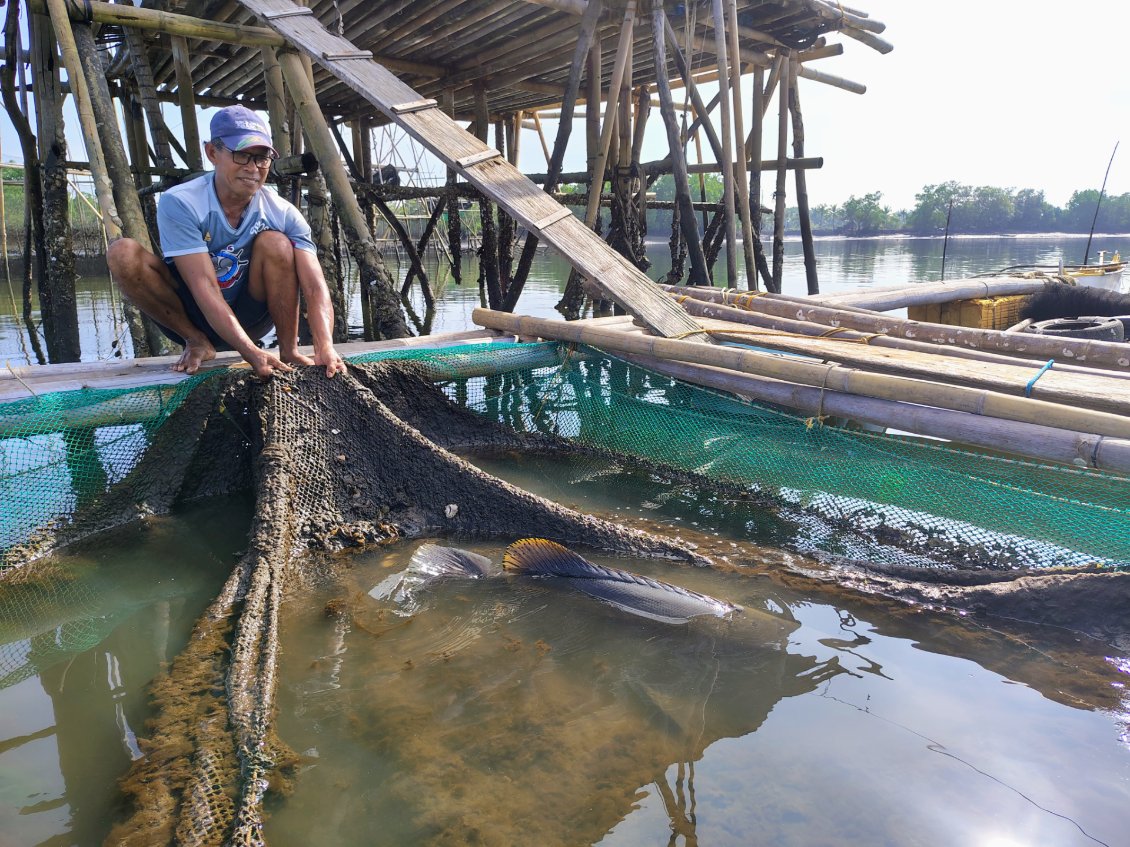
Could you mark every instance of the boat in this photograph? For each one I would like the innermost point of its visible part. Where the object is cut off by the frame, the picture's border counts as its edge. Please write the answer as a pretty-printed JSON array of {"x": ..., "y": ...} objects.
[{"x": 1105, "y": 274}]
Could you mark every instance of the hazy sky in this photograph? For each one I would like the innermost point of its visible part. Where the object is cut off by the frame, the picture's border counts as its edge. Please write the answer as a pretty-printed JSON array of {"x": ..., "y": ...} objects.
[{"x": 1010, "y": 93}]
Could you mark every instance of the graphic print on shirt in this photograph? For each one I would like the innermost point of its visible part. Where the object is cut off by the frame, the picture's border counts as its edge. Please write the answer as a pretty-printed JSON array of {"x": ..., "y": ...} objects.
[{"x": 229, "y": 265}]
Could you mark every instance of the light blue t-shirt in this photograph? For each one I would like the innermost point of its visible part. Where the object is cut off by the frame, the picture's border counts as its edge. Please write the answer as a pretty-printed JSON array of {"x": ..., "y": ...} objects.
[{"x": 190, "y": 220}]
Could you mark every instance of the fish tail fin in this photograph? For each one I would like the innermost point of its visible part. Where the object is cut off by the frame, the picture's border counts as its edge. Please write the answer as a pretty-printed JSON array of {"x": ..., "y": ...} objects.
[
  {"x": 539, "y": 556},
  {"x": 434, "y": 560}
]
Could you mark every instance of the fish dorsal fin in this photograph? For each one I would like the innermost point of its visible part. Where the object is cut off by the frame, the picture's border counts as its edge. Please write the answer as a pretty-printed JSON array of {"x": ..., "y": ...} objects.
[{"x": 540, "y": 556}]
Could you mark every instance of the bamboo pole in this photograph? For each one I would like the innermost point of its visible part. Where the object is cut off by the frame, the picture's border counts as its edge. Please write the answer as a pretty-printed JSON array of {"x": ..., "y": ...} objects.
[
  {"x": 1033, "y": 441},
  {"x": 710, "y": 309},
  {"x": 702, "y": 111},
  {"x": 103, "y": 185},
  {"x": 139, "y": 17},
  {"x": 1025, "y": 379},
  {"x": 742, "y": 182},
  {"x": 827, "y": 376},
  {"x": 722, "y": 52},
  {"x": 1096, "y": 354},
  {"x": 691, "y": 237},
  {"x": 387, "y": 317},
  {"x": 802, "y": 185},
  {"x": 276, "y": 101},
  {"x": 779, "y": 196},
  {"x": 622, "y": 50},
  {"x": 187, "y": 102},
  {"x": 488, "y": 252},
  {"x": 753, "y": 148}
]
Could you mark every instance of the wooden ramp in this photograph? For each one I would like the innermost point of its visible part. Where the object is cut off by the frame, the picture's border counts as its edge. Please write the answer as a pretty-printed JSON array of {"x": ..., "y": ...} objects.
[{"x": 482, "y": 166}]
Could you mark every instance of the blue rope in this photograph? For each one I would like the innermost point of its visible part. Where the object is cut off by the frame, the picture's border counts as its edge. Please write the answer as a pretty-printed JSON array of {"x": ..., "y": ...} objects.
[{"x": 1047, "y": 367}]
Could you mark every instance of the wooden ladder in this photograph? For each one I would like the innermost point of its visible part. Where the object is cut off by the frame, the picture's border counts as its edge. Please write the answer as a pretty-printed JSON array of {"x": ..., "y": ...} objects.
[{"x": 484, "y": 167}]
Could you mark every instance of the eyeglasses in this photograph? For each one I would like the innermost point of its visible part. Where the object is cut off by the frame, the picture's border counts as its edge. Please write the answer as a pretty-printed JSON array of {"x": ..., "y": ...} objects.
[{"x": 242, "y": 157}]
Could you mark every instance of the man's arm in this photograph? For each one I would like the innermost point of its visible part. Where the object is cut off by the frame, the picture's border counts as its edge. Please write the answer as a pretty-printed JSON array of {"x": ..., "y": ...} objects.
[
  {"x": 199, "y": 275},
  {"x": 319, "y": 310}
]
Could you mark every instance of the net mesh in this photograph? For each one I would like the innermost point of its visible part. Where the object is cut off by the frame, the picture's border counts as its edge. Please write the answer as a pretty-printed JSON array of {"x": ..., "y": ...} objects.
[{"x": 367, "y": 459}]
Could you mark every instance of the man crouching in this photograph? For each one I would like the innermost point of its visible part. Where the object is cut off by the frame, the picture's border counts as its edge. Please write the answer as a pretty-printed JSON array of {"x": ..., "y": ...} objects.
[{"x": 236, "y": 255}]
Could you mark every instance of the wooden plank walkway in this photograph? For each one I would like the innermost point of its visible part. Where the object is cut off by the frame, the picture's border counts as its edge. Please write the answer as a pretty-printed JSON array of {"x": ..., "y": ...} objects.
[
  {"x": 18, "y": 382},
  {"x": 482, "y": 166}
]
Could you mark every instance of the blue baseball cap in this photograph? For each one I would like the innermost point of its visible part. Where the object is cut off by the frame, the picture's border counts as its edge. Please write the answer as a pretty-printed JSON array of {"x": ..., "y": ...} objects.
[{"x": 238, "y": 128}]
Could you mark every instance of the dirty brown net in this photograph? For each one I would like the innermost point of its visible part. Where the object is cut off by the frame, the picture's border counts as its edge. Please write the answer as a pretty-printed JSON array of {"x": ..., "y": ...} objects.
[{"x": 374, "y": 456}]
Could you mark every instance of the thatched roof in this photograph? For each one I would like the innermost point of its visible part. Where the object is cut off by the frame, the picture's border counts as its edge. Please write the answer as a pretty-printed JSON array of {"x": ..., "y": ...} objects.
[{"x": 519, "y": 49}]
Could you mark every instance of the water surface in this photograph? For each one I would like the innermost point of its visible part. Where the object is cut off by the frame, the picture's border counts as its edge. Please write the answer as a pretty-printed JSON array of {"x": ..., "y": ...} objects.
[{"x": 513, "y": 711}]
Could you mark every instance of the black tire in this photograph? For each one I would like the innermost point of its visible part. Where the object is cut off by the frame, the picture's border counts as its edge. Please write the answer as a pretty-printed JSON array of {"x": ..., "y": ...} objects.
[{"x": 1090, "y": 328}]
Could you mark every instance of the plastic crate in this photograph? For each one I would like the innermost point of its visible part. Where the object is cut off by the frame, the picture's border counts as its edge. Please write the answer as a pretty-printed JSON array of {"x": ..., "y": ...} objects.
[{"x": 979, "y": 313}]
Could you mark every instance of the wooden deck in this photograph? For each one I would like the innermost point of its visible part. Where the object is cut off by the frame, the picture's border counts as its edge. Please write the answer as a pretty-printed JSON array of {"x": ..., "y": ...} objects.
[{"x": 18, "y": 382}]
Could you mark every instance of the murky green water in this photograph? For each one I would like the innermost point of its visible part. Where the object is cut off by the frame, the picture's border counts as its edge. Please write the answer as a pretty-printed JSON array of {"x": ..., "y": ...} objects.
[{"x": 512, "y": 711}]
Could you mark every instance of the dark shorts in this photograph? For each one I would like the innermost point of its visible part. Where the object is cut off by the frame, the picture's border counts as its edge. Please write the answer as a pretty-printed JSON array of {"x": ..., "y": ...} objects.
[{"x": 252, "y": 314}]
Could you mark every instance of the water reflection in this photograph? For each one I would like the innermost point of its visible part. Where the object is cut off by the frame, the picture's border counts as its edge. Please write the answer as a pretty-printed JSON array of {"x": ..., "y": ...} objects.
[
  {"x": 511, "y": 711},
  {"x": 81, "y": 637}
]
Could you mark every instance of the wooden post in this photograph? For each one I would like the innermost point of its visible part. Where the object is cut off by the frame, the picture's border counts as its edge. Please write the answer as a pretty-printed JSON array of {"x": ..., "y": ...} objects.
[
  {"x": 388, "y": 321},
  {"x": 187, "y": 100},
  {"x": 779, "y": 196},
  {"x": 802, "y": 185},
  {"x": 742, "y": 179},
  {"x": 720, "y": 49},
  {"x": 103, "y": 185},
  {"x": 625, "y": 231},
  {"x": 147, "y": 93},
  {"x": 33, "y": 184},
  {"x": 57, "y": 302},
  {"x": 753, "y": 153},
  {"x": 687, "y": 221},
  {"x": 601, "y": 163},
  {"x": 488, "y": 246},
  {"x": 146, "y": 338},
  {"x": 454, "y": 222},
  {"x": 593, "y": 96}
]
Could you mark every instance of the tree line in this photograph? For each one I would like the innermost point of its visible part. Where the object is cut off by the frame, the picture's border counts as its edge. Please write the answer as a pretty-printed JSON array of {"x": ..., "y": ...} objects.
[{"x": 969, "y": 209}]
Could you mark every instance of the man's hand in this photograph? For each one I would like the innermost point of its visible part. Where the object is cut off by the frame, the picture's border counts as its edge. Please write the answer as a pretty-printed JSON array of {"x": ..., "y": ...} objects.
[
  {"x": 266, "y": 364},
  {"x": 329, "y": 357}
]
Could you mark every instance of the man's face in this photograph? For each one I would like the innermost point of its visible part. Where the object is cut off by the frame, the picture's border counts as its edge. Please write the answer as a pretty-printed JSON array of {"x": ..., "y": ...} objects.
[{"x": 232, "y": 176}]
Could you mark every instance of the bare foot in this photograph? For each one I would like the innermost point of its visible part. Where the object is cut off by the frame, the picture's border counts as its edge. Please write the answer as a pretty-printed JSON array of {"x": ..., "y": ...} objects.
[
  {"x": 195, "y": 354},
  {"x": 296, "y": 358}
]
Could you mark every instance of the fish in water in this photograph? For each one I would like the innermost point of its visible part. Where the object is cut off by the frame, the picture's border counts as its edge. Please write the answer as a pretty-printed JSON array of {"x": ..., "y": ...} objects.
[{"x": 536, "y": 557}]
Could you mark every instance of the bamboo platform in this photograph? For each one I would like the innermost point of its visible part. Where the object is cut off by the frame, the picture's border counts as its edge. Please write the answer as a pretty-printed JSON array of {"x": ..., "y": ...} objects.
[
  {"x": 483, "y": 166},
  {"x": 1079, "y": 418},
  {"x": 22, "y": 381}
]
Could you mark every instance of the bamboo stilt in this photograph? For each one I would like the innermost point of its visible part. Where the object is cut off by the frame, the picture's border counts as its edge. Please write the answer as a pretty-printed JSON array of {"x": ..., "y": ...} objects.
[
  {"x": 387, "y": 318},
  {"x": 187, "y": 99},
  {"x": 57, "y": 303},
  {"x": 753, "y": 151},
  {"x": 687, "y": 221},
  {"x": 601, "y": 163},
  {"x": 802, "y": 186},
  {"x": 742, "y": 177},
  {"x": 779, "y": 196},
  {"x": 722, "y": 52},
  {"x": 103, "y": 186},
  {"x": 147, "y": 340},
  {"x": 488, "y": 247}
]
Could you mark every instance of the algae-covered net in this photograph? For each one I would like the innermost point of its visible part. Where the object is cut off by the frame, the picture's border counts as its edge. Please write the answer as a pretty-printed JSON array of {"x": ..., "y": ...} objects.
[{"x": 375, "y": 456}]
